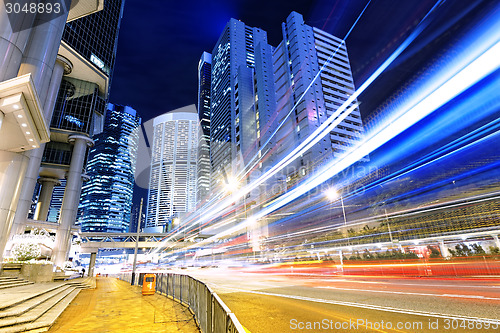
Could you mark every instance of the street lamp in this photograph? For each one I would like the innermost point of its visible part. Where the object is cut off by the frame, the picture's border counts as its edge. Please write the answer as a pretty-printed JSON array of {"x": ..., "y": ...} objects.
[
  {"x": 231, "y": 184},
  {"x": 333, "y": 195}
]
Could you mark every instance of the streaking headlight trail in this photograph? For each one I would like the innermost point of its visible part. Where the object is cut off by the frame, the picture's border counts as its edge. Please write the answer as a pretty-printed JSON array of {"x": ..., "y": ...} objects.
[{"x": 484, "y": 65}]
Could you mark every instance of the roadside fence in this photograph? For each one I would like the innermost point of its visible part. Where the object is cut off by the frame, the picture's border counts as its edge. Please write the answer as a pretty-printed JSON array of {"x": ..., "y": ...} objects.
[{"x": 212, "y": 315}]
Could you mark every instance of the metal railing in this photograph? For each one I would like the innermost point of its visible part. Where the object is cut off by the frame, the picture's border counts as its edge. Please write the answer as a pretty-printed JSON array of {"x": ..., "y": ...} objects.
[{"x": 212, "y": 315}]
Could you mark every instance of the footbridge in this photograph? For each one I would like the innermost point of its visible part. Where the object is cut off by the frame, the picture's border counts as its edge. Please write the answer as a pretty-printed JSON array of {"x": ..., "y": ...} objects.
[{"x": 93, "y": 241}]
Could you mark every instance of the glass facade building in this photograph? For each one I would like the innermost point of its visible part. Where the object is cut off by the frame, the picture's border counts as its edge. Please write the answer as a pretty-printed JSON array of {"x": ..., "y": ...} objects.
[
  {"x": 266, "y": 100},
  {"x": 77, "y": 107},
  {"x": 313, "y": 79},
  {"x": 81, "y": 105},
  {"x": 241, "y": 88},
  {"x": 204, "y": 166},
  {"x": 95, "y": 36},
  {"x": 174, "y": 159},
  {"x": 106, "y": 200}
]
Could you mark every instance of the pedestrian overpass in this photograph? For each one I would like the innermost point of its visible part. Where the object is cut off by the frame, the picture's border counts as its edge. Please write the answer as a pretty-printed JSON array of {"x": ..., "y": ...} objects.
[{"x": 93, "y": 241}]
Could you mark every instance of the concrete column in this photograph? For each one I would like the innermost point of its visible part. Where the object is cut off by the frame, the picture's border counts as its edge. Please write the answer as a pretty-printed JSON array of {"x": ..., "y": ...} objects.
[
  {"x": 12, "y": 44},
  {"x": 444, "y": 251},
  {"x": 341, "y": 255},
  {"x": 62, "y": 67},
  {"x": 497, "y": 241},
  {"x": 71, "y": 198},
  {"x": 41, "y": 51},
  {"x": 43, "y": 205},
  {"x": 93, "y": 257},
  {"x": 12, "y": 168}
]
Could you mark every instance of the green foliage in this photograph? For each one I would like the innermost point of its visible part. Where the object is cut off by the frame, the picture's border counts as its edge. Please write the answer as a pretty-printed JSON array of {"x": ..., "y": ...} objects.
[
  {"x": 26, "y": 251},
  {"x": 387, "y": 255},
  {"x": 367, "y": 255},
  {"x": 434, "y": 252},
  {"x": 494, "y": 250},
  {"x": 462, "y": 250},
  {"x": 478, "y": 249}
]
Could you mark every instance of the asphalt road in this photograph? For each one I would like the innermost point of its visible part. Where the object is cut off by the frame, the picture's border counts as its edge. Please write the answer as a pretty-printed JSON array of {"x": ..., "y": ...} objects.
[{"x": 266, "y": 302}]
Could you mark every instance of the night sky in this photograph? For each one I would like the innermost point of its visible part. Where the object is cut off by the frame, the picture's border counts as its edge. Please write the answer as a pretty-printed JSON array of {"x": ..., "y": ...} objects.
[{"x": 160, "y": 43}]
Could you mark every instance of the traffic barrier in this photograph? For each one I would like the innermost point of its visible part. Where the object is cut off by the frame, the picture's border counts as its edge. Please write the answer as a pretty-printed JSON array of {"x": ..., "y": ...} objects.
[{"x": 211, "y": 314}]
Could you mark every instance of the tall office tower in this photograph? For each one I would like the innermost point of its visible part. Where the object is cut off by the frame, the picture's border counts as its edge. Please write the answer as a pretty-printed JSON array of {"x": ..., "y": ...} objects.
[
  {"x": 106, "y": 200},
  {"x": 134, "y": 218},
  {"x": 173, "y": 177},
  {"x": 312, "y": 79},
  {"x": 242, "y": 95},
  {"x": 204, "y": 166},
  {"x": 87, "y": 52},
  {"x": 31, "y": 68}
]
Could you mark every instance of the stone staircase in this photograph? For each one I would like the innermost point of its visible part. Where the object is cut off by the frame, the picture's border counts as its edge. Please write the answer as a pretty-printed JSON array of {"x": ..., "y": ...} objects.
[
  {"x": 12, "y": 281},
  {"x": 35, "y": 307}
]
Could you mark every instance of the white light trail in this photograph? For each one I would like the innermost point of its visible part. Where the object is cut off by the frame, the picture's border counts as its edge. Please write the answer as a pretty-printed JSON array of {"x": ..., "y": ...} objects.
[
  {"x": 485, "y": 64},
  {"x": 324, "y": 129}
]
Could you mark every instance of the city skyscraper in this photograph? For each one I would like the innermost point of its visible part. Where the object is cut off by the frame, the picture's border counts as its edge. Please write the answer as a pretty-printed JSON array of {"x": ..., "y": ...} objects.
[
  {"x": 174, "y": 158},
  {"x": 312, "y": 79},
  {"x": 241, "y": 87},
  {"x": 204, "y": 166},
  {"x": 134, "y": 218},
  {"x": 265, "y": 101},
  {"x": 106, "y": 200},
  {"x": 85, "y": 56}
]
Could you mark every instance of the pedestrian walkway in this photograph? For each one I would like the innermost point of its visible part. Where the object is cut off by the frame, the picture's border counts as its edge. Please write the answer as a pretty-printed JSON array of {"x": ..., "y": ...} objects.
[{"x": 116, "y": 306}]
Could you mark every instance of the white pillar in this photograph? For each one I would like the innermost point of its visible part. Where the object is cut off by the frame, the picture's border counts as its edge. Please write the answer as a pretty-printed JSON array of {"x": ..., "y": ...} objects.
[
  {"x": 497, "y": 241},
  {"x": 341, "y": 255},
  {"x": 12, "y": 169},
  {"x": 43, "y": 205},
  {"x": 71, "y": 198},
  {"x": 444, "y": 251},
  {"x": 12, "y": 44},
  {"x": 40, "y": 56},
  {"x": 62, "y": 66},
  {"x": 93, "y": 256}
]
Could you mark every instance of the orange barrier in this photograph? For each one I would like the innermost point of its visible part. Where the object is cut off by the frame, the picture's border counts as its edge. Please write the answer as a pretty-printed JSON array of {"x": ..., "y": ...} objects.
[{"x": 149, "y": 284}]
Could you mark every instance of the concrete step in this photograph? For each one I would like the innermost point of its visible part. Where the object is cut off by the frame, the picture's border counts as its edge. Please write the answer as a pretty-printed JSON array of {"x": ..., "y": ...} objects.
[
  {"x": 6, "y": 278},
  {"x": 37, "y": 311},
  {"x": 46, "y": 319},
  {"x": 9, "y": 282},
  {"x": 14, "y": 284},
  {"x": 29, "y": 304},
  {"x": 84, "y": 283},
  {"x": 17, "y": 295}
]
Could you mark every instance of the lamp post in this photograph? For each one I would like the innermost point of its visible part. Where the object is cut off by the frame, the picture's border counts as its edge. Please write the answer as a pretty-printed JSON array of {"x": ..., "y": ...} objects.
[
  {"x": 136, "y": 243},
  {"x": 332, "y": 195},
  {"x": 388, "y": 225}
]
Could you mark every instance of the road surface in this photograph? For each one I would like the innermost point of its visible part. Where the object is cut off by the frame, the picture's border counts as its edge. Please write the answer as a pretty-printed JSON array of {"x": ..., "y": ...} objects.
[{"x": 266, "y": 302}]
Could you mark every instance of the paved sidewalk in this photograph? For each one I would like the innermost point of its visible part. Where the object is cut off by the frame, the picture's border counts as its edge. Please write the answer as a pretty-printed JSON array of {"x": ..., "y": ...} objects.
[{"x": 115, "y": 306}]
